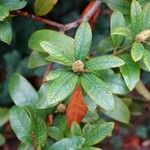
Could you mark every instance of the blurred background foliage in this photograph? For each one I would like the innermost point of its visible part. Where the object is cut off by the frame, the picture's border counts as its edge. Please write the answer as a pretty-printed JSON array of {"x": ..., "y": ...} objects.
[{"x": 14, "y": 58}]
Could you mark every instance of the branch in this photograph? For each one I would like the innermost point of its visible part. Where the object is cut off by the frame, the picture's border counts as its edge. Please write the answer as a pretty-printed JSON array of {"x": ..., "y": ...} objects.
[{"x": 59, "y": 26}]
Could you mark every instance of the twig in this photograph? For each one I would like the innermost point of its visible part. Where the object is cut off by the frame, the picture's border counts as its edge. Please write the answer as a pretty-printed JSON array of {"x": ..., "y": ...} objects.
[{"x": 59, "y": 26}]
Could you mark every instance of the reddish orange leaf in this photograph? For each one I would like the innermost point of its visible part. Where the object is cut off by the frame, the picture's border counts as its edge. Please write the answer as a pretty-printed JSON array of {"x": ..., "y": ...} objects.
[
  {"x": 93, "y": 19},
  {"x": 76, "y": 108}
]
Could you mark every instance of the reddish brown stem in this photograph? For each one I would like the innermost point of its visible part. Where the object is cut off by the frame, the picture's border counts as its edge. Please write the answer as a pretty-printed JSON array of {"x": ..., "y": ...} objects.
[{"x": 59, "y": 26}]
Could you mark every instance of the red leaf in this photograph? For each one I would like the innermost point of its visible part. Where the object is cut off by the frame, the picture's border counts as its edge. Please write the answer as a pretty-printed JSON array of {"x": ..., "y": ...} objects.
[{"x": 76, "y": 109}]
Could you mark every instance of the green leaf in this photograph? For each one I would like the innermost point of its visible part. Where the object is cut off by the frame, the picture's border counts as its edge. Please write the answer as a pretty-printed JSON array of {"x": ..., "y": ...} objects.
[
  {"x": 42, "y": 8},
  {"x": 105, "y": 45},
  {"x": 144, "y": 2},
  {"x": 59, "y": 90},
  {"x": 58, "y": 39},
  {"x": 55, "y": 74},
  {"x": 120, "y": 113},
  {"x": 136, "y": 17},
  {"x": 24, "y": 146},
  {"x": 57, "y": 54},
  {"x": 37, "y": 59},
  {"x": 39, "y": 130},
  {"x": 123, "y": 31},
  {"x": 20, "y": 123},
  {"x": 146, "y": 18},
  {"x": 4, "y": 12},
  {"x": 130, "y": 71},
  {"x": 120, "y": 5},
  {"x": 68, "y": 143},
  {"x": 2, "y": 140},
  {"x": 5, "y": 32},
  {"x": 90, "y": 117},
  {"x": 21, "y": 91},
  {"x": 90, "y": 148},
  {"x": 95, "y": 133},
  {"x": 4, "y": 116},
  {"x": 75, "y": 129},
  {"x": 55, "y": 133},
  {"x": 137, "y": 51},
  {"x": 83, "y": 40},
  {"x": 146, "y": 59},
  {"x": 98, "y": 91},
  {"x": 13, "y": 4},
  {"x": 117, "y": 20},
  {"x": 104, "y": 62}
]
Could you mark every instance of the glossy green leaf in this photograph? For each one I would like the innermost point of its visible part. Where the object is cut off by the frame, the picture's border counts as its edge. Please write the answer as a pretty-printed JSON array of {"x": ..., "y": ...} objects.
[
  {"x": 55, "y": 133},
  {"x": 104, "y": 62},
  {"x": 75, "y": 129},
  {"x": 137, "y": 51},
  {"x": 130, "y": 71},
  {"x": 59, "y": 90},
  {"x": 4, "y": 12},
  {"x": 20, "y": 123},
  {"x": 39, "y": 130},
  {"x": 37, "y": 59},
  {"x": 83, "y": 40},
  {"x": 120, "y": 113},
  {"x": 13, "y": 4},
  {"x": 95, "y": 133},
  {"x": 58, "y": 39},
  {"x": 5, "y": 32},
  {"x": 42, "y": 8},
  {"x": 4, "y": 116},
  {"x": 120, "y": 5},
  {"x": 57, "y": 54},
  {"x": 146, "y": 59},
  {"x": 146, "y": 19},
  {"x": 98, "y": 91},
  {"x": 136, "y": 17},
  {"x": 105, "y": 45},
  {"x": 55, "y": 74},
  {"x": 2, "y": 140},
  {"x": 117, "y": 20},
  {"x": 21, "y": 91},
  {"x": 123, "y": 31},
  {"x": 68, "y": 143}
]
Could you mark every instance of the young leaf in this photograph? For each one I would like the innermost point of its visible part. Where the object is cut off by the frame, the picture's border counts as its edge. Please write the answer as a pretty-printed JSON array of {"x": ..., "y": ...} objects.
[
  {"x": 83, "y": 40},
  {"x": 20, "y": 123},
  {"x": 57, "y": 54},
  {"x": 2, "y": 140},
  {"x": 73, "y": 143},
  {"x": 76, "y": 108},
  {"x": 55, "y": 133},
  {"x": 4, "y": 116},
  {"x": 21, "y": 91},
  {"x": 105, "y": 45},
  {"x": 37, "y": 59},
  {"x": 120, "y": 113},
  {"x": 130, "y": 72},
  {"x": 120, "y": 5},
  {"x": 98, "y": 91},
  {"x": 42, "y": 8},
  {"x": 38, "y": 130},
  {"x": 4, "y": 12},
  {"x": 13, "y": 4},
  {"x": 75, "y": 129},
  {"x": 146, "y": 59},
  {"x": 58, "y": 90},
  {"x": 146, "y": 18},
  {"x": 104, "y": 62},
  {"x": 136, "y": 17},
  {"x": 123, "y": 31},
  {"x": 117, "y": 20},
  {"x": 137, "y": 51},
  {"x": 5, "y": 32},
  {"x": 95, "y": 133},
  {"x": 58, "y": 39}
]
